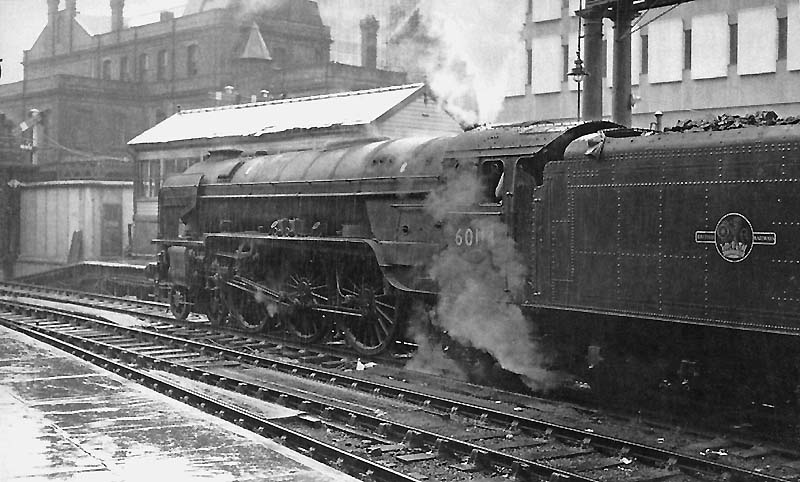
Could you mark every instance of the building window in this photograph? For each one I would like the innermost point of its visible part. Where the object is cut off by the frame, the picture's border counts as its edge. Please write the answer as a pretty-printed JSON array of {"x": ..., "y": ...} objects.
[
  {"x": 149, "y": 179},
  {"x": 106, "y": 70},
  {"x": 604, "y": 59},
  {"x": 530, "y": 67},
  {"x": 191, "y": 60},
  {"x": 123, "y": 68},
  {"x": 783, "y": 34},
  {"x": 154, "y": 179},
  {"x": 687, "y": 49},
  {"x": 175, "y": 166},
  {"x": 564, "y": 62},
  {"x": 161, "y": 65},
  {"x": 144, "y": 64},
  {"x": 645, "y": 56},
  {"x": 733, "y": 44},
  {"x": 143, "y": 173}
]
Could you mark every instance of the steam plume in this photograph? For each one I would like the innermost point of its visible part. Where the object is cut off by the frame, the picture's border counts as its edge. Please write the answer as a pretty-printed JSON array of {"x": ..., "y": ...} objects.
[
  {"x": 480, "y": 283},
  {"x": 463, "y": 50}
]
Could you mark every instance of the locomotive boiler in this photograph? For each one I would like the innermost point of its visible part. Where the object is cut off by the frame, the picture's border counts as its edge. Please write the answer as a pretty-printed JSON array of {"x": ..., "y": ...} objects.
[{"x": 661, "y": 252}]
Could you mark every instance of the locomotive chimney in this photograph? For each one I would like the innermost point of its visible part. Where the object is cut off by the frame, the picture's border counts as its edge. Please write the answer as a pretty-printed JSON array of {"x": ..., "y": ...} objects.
[
  {"x": 117, "y": 20},
  {"x": 369, "y": 42}
]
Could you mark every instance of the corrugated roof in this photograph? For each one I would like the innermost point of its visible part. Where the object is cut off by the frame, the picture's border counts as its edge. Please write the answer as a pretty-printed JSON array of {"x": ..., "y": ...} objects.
[{"x": 243, "y": 120}]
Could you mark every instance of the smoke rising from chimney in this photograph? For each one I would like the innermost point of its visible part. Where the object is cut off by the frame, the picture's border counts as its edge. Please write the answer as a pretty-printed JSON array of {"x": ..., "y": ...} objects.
[{"x": 465, "y": 52}]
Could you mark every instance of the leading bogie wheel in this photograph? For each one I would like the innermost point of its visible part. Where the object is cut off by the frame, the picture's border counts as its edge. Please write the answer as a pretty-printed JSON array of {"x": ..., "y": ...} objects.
[
  {"x": 179, "y": 303},
  {"x": 251, "y": 315}
]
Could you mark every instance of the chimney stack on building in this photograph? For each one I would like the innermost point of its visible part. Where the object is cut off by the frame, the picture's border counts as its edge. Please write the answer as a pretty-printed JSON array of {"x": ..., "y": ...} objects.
[
  {"x": 369, "y": 42},
  {"x": 52, "y": 11},
  {"x": 72, "y": 8},
  {"x": 116, "y": 15},
  {"x": 52, "y": 16},
  {"x": 72, "y": 12}
]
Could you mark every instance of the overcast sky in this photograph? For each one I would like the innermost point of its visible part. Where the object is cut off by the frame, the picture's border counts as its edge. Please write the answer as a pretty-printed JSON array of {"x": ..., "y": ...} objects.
[{"x": 21, "y": 22}]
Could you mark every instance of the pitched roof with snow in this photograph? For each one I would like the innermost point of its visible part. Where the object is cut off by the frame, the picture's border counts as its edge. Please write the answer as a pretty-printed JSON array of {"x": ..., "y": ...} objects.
[{"x": 252, "y": 120}]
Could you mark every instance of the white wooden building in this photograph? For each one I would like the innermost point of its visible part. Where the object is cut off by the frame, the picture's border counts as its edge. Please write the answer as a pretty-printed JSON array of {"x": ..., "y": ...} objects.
[
  {"x": 276, "y": 126},
  {"x": 67, "y": 222}
]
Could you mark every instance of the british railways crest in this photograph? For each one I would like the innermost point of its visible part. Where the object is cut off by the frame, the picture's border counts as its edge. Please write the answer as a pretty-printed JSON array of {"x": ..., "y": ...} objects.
[{"x": 734, "y": 237}]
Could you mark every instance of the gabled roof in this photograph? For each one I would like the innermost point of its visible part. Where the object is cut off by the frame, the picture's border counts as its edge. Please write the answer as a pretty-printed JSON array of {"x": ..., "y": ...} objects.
[
  {"x": 254, "y": 46},
  {"x": 252, "y": 120}
]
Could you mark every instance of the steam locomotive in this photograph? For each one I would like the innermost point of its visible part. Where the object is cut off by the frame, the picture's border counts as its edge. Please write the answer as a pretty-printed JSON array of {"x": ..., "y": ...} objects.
[{"x": 662, "y": 253}]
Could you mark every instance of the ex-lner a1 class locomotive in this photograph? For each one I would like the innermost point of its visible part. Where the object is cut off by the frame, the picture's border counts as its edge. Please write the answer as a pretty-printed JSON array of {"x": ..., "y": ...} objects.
[{"x": 670, "y": 252}]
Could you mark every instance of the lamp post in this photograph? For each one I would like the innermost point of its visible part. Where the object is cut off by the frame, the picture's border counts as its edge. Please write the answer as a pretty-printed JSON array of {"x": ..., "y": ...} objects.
[{"x": 578, "y": 74}]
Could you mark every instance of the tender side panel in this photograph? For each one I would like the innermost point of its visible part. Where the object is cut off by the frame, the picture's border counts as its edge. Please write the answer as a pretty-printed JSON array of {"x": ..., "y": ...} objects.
[{"x": 707, "y": 232}]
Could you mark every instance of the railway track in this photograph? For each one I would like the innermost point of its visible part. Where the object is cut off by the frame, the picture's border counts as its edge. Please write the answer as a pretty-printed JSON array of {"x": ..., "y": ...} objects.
[
  {"x": 753, "y": 421},
  {"x": 159, "y": 316},
  {"x": 385, "y": 424}
]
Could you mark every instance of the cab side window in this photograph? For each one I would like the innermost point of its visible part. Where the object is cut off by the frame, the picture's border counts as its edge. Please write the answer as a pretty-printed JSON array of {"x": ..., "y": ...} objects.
[{"x": 491, "y": 178}]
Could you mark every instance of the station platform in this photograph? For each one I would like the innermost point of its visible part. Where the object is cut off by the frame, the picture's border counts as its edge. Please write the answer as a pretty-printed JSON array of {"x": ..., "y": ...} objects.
[
  {"x": 64, "y": 419},
  {"x": 124, "y": 277}
]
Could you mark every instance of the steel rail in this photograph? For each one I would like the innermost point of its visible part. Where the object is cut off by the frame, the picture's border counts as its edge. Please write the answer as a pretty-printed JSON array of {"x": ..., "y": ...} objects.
[
  {"x": 160, "y": 314},
  {"x": 245, "y": 418},
  {"x": 156, "y": 305},
  {"x": 522, "y": 466},
  {"x": 632, "y": 449}
]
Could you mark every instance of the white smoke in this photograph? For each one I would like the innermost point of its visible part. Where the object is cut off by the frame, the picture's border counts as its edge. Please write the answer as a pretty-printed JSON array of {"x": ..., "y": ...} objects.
[
  {"x": 465, "y": 51},
  {"x": 429, "y": 356},
  {"x": 480, "y": 285}
]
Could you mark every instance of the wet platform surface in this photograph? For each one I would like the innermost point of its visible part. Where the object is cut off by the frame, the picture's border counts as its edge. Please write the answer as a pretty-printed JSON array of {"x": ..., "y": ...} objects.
[{"x": 63, "y": 419}]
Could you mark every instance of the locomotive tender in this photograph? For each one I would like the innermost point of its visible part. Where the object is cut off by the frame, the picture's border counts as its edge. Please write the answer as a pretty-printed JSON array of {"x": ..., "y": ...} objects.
[{"x": 645, "y": 248}]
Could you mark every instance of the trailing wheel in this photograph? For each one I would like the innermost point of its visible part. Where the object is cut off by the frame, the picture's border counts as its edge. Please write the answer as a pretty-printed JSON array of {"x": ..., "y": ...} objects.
[
  {"x": 305, "y": 291},
  {"x": 179, "y": 303},
  {"x": 380, "y": 312}
]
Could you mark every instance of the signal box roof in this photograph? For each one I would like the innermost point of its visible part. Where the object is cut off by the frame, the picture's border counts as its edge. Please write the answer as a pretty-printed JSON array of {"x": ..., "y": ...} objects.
[{"x": 355, "y": 108}]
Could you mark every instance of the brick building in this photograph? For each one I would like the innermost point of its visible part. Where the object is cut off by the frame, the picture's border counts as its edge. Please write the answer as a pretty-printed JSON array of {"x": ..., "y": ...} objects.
[{"x": 87, "y": 88}]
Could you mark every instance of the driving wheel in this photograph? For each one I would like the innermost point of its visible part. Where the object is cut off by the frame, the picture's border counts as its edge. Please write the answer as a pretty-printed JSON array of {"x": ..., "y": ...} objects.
[
  {"x": 379, "y": 315},
  {"x": 305, "y": 291}
]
